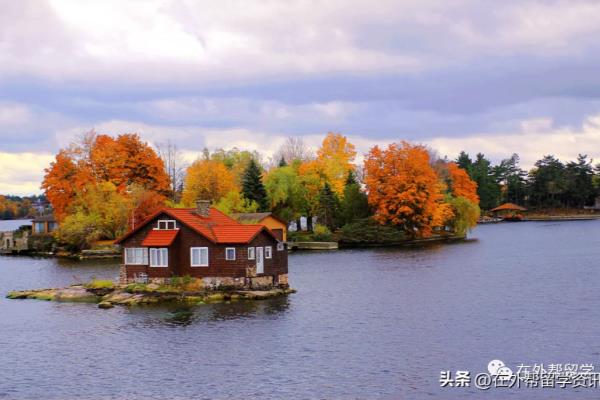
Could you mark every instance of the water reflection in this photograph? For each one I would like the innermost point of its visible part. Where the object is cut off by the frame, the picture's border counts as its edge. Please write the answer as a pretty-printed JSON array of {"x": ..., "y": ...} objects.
[{"x": 178, "y": 314}]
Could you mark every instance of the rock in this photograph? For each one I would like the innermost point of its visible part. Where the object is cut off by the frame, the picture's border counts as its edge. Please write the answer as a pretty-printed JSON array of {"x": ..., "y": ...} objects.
[
  {"x": 215, "y": 297},
  {"x": 118, "y": 297},
  {"x": 152, "y": 286},
  {"x": 75, "y": 294},
  {"x": 194, "y": 299},
  {"x": 105, "y": 305},
  {"x": 44, "y": 294},
  {"x": 124, "y": 296}
]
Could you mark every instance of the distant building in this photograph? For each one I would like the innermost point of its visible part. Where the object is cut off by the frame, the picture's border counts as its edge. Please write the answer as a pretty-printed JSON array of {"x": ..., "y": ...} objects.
[
  {"x": 14, "y": 241},
  {"x": 509, "y": 212},
  {"x": 44, "y": 225},
  {"x": 273, "y": 222},
  {"x": 204, "y": 243}
]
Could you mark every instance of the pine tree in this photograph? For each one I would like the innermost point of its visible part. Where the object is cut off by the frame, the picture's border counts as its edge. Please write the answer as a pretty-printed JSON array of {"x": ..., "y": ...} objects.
[
  {"x": 328, "y": 207},
  {"x": 351, "y": 179},
  {"x": 355, "y": 204},
  {"x": 282, "y": 162},
  {"x": 252, "y": 185}
]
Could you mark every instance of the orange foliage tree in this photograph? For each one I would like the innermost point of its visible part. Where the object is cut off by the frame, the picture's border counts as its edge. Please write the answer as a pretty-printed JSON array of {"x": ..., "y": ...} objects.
[
  {"x": 207, "y": 180},
  {"x": 336, "y": 156},
  {"x": 124, "y": 161},
  {"x": 405, "y": 190},
  {"x": 461, "y": 184}
]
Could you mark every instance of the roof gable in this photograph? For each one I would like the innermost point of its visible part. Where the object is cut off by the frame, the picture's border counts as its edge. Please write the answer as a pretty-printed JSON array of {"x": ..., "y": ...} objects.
[{"x": 217, "y": 227}]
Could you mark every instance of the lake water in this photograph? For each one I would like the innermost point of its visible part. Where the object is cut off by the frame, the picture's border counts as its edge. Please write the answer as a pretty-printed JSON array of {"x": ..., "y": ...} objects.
[
  {"x": 365, "y": 324},
  {"x": 13, "y": 224}
]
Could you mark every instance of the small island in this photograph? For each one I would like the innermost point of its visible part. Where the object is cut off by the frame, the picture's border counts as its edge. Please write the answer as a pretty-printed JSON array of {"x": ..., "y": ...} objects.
[{"x": 191, "y": 291}]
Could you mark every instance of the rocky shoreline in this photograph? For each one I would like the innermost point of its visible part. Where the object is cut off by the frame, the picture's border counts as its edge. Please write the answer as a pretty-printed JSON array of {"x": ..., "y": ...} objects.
[{"x": 141, "y": 294}]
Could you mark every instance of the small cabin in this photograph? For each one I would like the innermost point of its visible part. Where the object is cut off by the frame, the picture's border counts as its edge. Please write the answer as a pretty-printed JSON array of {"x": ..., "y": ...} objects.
[
  {"x": 203, "y": 242},
  {"x": 277, "y": 225},
  {"x": 43, "y": 225}
]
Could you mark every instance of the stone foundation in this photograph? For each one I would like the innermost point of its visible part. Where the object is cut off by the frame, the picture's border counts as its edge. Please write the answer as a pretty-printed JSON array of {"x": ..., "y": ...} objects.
[
  {"x": 214, "y": 283},
  {"x": 260, "y": 282},
  {"x": 283, "y": 280}
]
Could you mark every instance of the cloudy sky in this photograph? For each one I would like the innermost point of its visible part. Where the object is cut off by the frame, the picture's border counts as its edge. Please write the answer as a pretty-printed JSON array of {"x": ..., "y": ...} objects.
[{"x": 496, "y": 77}]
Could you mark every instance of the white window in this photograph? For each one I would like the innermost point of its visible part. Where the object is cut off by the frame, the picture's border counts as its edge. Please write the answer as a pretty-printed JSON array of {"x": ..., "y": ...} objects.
[
  {"x": 159, "y": 257},
  {"x": 280, "y": 246},
  {"x": 268, "y": 252},
  {"x": 199, "y": 256},
  {"x": 136, "y": 256},
  {"x": 230, "y": 253},
  {"x": 251, "y": 254},
  {"x": 166, "y": 224}
]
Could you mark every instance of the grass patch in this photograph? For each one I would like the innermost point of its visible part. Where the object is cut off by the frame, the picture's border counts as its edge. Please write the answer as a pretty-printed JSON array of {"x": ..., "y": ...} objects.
[{"x": 99, "y": 284}]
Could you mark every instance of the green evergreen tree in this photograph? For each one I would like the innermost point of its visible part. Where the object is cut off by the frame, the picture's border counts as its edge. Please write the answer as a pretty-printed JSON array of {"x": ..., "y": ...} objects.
[
  {"x": 548, "y": 183},
  {"x": 355, "y": 204},
  {"x": 328, "y": 207},
  {"x": 252, "y": 186},
  {"x": 488, "y": 188},
  {"x": 282, "y": 162},
  {"x": 351, "y": 178},
  {"x": 464, "y": 161},
  {"x": 580, "y": 182}
]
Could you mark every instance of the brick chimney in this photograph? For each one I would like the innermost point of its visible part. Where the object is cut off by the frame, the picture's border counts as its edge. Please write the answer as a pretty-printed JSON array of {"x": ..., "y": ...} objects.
[{"x": 202, "y": 207}]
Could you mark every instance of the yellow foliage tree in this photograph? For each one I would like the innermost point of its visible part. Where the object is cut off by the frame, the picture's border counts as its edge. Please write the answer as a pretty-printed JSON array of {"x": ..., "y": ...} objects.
[
  {"x": 336, "y": 156},
  {"x": 207, "y": 180}
]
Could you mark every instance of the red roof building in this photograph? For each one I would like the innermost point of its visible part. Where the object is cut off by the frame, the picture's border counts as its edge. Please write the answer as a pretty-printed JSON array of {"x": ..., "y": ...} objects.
[{"x": 205, "y": 243}]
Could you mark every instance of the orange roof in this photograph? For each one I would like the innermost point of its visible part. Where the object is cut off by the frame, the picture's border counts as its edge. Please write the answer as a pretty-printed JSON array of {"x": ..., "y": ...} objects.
[
  {"x": 217, "y": 227},
  {"x": 509, "y": 206},
  {"x": 160, "y": 237}
]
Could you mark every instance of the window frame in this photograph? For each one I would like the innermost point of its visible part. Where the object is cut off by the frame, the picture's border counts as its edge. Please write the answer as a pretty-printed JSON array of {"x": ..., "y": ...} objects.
[
  {"x": 280, "y": 246},
  {"x": 159, "y": 250},
  {"x": 268, "y": 252},
  {"x": 144, "y": 258},
  {"x": 227, "y": 249},
  {"x": 166, "y": 222},
  {"x": 252, "y": 250},
  {"x": 200, "y": 264}
]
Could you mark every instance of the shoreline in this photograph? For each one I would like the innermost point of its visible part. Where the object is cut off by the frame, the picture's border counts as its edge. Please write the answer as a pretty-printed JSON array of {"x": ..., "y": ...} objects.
[{"x": 136, "y": 294}]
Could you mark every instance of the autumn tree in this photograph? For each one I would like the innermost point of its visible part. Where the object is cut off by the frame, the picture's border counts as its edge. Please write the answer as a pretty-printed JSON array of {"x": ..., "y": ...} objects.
[
  {"x": 123, "y": 161},
  {"x": 336, "y": 155},
  {"x": 252, "y": 186},
  {"x": 236, "y": 161},
  {"x": 405, "y": 190},
  {"x": 62, "y": 181},
  {"x": 312, "y": 177},
  {"x": 98, "y": 212},
  {"x": 234, "y": 202},
  {"x": 461, "y": 185},
  {"x": 207, "y": 180}
]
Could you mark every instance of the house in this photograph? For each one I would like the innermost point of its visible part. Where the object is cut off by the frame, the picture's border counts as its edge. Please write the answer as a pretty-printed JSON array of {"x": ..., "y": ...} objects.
[
  {"x": 271, "y": 221},
  {"x": 203, "y": 242},
  {"x": 43, "y": 225}
]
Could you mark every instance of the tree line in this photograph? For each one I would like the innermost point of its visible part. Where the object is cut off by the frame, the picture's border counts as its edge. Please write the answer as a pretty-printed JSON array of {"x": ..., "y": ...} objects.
[
  {"x": 101, "y": 186},
  {"x": 549, "y": 184},
  {"x": 16, "y": 207}
]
